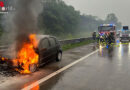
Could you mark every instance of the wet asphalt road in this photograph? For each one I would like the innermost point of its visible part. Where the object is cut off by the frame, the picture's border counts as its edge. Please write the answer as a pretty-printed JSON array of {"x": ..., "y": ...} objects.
[{"x": 108, "y": 69}]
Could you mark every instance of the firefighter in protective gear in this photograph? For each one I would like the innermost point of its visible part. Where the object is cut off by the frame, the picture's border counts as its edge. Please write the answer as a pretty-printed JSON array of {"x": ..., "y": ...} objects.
[{"x": 94, "y": 35}]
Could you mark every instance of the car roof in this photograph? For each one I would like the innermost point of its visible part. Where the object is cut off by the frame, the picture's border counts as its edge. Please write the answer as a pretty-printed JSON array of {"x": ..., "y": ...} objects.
[{"x": 41, "y": 37}]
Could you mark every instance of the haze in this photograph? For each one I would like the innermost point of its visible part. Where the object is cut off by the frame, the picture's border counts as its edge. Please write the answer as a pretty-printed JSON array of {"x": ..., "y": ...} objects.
[{"x": 101, "y": 8}]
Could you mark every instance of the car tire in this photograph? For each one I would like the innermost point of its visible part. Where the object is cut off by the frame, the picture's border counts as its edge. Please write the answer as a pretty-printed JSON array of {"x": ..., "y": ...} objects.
[
  {"x": 32, "y": 68},
  {"x": 59, "y": 57}
]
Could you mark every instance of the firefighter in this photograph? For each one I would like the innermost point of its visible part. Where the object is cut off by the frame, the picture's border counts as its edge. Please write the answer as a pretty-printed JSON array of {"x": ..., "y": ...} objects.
[
  {"x": 94, "y": 35},
  {"x": 109, "y": 38},
  {"x": 106, "y": 37},
  {"x": 112, "y": 37}
]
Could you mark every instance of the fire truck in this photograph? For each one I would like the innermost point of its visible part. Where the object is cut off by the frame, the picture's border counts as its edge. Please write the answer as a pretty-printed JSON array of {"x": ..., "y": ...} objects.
[{"x": 106, "y": 30}]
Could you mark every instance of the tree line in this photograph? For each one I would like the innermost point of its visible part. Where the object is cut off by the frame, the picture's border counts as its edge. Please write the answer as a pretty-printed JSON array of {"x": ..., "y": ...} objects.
[{"x": 62, "y": 20}]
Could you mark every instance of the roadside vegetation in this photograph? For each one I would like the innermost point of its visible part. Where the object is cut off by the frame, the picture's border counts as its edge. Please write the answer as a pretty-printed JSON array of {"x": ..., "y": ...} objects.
[
  {"x": 71, "y": 46},
  {"x": 63, "y": 21}
]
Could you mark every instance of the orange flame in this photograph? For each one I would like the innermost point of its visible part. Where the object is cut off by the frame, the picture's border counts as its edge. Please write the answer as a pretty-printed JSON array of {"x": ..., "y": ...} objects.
[{"x": 27, "y": 55}]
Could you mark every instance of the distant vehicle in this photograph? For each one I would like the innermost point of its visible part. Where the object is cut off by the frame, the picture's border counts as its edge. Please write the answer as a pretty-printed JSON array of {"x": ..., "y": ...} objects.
[
  {"x": 125, "y": 28},
  {"x": 106, "y": 29},
  {"x": 48, "y": 49},
  {"x": 125, "y": 34}
]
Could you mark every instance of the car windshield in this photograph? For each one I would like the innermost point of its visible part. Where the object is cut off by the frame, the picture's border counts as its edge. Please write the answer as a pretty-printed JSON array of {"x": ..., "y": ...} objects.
[{"x": 106, "y": 28}]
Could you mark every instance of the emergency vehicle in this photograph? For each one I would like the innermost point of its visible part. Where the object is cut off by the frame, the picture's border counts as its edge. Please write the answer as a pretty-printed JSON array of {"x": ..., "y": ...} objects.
[
  {"x": 125, "y": 34},
  {"x": 107, "y": 29}
]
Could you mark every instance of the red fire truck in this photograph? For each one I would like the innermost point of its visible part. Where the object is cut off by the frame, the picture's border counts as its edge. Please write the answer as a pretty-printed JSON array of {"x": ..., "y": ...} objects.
[{"x": 107, "y": 29}]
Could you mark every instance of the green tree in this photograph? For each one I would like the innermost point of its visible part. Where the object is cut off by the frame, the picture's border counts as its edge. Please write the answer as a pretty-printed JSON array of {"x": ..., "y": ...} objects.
[
  {"x": 58, "y": 18},
  {"x": 112, "y": 18}
]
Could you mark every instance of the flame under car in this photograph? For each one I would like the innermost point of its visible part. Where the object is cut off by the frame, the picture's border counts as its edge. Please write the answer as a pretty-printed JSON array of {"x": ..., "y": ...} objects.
[{"x": 47, "y": 49}]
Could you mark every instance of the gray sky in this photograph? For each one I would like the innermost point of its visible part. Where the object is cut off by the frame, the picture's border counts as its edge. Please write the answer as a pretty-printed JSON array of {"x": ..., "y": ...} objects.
[{"x": 101, "y": 8}]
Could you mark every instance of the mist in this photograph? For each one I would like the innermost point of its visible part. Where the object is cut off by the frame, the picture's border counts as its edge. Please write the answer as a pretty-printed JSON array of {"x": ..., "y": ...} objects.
[{"x": 101, "y": 8}]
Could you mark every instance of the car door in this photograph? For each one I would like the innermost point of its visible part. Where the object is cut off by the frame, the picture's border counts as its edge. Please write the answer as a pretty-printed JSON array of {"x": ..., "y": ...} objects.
[
  {"x": 53, "y": 47},
  {"x": 44, "y": 51}
]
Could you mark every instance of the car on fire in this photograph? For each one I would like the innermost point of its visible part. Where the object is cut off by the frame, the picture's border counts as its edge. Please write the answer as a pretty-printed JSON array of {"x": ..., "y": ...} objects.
[{"x": 48, "y": 49}]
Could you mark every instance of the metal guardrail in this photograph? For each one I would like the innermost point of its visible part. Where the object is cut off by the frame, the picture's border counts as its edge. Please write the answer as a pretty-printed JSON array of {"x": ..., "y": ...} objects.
[
  {"x": 62, "y": 42},
  {"x": 3, "y": 47},
  {"x": 73, "y": 41}
]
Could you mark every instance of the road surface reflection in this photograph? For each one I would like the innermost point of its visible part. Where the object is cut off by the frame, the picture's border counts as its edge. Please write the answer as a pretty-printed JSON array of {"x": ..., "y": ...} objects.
[{"x": 36, "y": 87}]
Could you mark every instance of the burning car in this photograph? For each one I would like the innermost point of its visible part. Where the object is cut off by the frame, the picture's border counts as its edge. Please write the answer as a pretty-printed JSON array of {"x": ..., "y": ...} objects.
[{"x": 40, "y": 50}]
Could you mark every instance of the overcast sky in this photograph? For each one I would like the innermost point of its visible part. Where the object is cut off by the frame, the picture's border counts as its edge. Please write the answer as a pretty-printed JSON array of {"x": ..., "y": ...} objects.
[{"x": 101, "y": 8}]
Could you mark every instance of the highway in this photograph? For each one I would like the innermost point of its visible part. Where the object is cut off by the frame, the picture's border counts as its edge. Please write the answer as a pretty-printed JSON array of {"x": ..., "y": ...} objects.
[
  {"x": 82, "y": 68},
  {"x": 104, "y": 70}
]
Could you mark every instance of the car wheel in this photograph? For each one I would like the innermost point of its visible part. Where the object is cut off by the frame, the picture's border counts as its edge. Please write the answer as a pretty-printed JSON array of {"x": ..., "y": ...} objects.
[
  {"x": 59, "y": 57},
  {"x": 32, "y": 68}
]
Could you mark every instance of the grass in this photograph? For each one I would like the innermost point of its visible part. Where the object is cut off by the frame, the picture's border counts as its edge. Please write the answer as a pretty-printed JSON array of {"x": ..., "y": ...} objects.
[{"x": 70, "y": 46}]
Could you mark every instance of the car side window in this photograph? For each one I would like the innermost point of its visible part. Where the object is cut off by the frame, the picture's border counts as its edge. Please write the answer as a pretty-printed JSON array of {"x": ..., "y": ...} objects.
[
  {"x": 52, "y": 42},
  {"x": 44, "y": 44}
]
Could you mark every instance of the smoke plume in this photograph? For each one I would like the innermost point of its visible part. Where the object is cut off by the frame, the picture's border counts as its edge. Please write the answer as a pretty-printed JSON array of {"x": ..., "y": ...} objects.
[
  {"x": 25, "y": 19},
  {"x": 22, "y": 21}
]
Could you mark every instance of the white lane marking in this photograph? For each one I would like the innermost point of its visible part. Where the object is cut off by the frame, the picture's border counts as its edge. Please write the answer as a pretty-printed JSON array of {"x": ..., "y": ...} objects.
[{"x": 57, "y": 72}]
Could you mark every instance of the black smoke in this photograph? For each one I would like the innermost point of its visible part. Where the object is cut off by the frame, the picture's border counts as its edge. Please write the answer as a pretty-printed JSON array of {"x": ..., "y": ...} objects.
[{"x": 25, "y": 20}]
